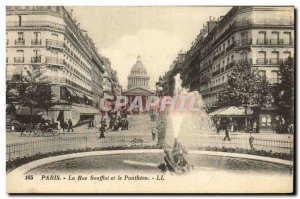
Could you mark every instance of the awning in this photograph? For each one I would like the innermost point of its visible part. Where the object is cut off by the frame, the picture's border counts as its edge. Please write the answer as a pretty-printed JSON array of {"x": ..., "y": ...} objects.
[
  {"x": 78, "y": 93},
  {"x": 234, "y": 111},
  {"x": 216, "y": 111},
  {"x": 90, "y": 98},
  {"x": 71, "y": 91},
  {"x": 83, "y": 110},
  {"x": 60, "y": 107}
]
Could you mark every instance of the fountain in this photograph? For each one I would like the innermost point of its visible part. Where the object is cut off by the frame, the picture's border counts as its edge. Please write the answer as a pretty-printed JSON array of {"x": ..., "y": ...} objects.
[
  {"x": 187, "y": 120},
  {"x": 213, "y": 172},
  {"x": 187, "y": 123}
]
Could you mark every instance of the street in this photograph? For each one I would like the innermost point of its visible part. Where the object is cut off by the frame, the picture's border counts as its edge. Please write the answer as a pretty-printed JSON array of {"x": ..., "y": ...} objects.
[{"x": 140, "y": 127}]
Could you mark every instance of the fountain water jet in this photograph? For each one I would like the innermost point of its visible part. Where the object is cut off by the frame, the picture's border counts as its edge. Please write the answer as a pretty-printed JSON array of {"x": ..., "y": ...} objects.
[{"x": 186, "y": 124}]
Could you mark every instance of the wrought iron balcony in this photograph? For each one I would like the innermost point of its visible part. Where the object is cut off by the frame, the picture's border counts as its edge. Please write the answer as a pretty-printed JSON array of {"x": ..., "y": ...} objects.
[
  {"x": 245, "y": 42},
  {"x": 230, "y": 47},
  {"x": 37, "y": 59},
  {"x": 262, "y": 61},
  {"x": 215, "y": 73},
  {"x": 54, "y": 43},
  {"x": 36, "y": 42},
  {"x": 20, "y": 42},
  {"x": 262, "y": 41},
  {"x": 36, "y": 23},
  {"x": 19, "y": 59},
  {"x": 273, "y": 80},
  {"x": 288, "y": 42},
  {"x": 275, "y": 61},
  {"x": 230, "y": 65},
  {"x": 54, "y": 61},
  {"x": 244, "y": 61}
]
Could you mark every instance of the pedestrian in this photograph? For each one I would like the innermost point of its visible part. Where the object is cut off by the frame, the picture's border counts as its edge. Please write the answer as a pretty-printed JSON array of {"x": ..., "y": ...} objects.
[
  {"x": 63, "y": 125},
  {"x": 251, "y": 139},
  {"x": 90, "y": 124},
  {"x": 70, "y": 125},
  {"x": 153, "y": 130},
  {"x": 291, "y": 128},
  {"x": 102, "y": 129},
  {"x": 235, "y": 126},
  {"x": 58, "y": 125},
  {"x": 218, "y": 125},
  {"x": 226, "y": 132},
  {"x": 254, "y": 127},
  {"x": 231, "y": 125}
]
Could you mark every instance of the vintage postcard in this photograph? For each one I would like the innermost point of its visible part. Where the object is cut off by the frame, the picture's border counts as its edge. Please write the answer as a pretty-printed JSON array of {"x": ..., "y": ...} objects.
[{"x": 150, "y": 99}]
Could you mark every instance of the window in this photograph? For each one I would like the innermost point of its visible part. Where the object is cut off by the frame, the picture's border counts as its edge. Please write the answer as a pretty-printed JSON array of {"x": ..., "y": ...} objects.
[
  {"x": 20, "y": 20},
  {"x": 286, "y": 54},
  {"x": 261, "y": 57},
  {"x": 261, "y": 37},
  {"x": 275, "y": 57},
  {"x": 37, "y": 52},
  {"x": 54, "y": 36},
  {"x": 20, "y": 36},
  {"x": 275, "y": 37},
  {"x": 37, "y": 35},
  {"x": 244, "y": 56},
  {"x": 287, "y": 38},
  {"x": 274, "y": 77},
  {"x": 266, "y": 120},
  {"x": 262, "y": 73},
  {"x": 20, "y": 53}
]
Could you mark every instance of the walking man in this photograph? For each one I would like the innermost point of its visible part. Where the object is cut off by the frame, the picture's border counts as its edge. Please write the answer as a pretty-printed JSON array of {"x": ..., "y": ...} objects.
[
  {"x": 90, "y": 124},
  {"x": 254, "y": 127},
  {"x": 102, "y": 129},
  {"x": 251, "y": 139},
  {"x": 153, "y": 130},
  {"x": 218, "y": 125},
  {"x": 226, "y": 132},
  {"x": 70, "y": 127}
]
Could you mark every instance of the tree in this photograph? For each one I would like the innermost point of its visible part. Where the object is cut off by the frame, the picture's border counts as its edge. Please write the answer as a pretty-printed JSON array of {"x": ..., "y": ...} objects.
[
  {"x": 284, "y": 91},
  {"x": 245, "y": 88},
  {"x": 32, "y": 90}
]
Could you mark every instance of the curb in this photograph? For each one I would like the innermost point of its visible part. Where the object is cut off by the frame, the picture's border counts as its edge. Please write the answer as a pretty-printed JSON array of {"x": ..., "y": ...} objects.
[{"x": 29, "y": 166}]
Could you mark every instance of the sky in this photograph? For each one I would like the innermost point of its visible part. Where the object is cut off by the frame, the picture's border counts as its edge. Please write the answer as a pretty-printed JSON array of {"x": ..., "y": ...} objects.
[{"x": 157, "y": 34}]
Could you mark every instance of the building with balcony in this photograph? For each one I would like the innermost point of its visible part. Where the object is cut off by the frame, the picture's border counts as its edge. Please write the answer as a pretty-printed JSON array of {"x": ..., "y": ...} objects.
[
  {"x": 260, "y": 36},
  {"x": 50, "y": 37}
]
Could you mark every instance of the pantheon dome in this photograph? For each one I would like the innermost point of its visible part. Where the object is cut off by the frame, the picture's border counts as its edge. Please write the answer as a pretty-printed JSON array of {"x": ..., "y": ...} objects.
[{"x": 138, "y": 76}]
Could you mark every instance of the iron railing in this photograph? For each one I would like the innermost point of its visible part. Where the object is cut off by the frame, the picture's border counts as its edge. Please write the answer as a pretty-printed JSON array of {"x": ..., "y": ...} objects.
[
  {"x": 36, "y": 23},
  {"x": 64, "y": 144},
  {"x": 54, "y": 61},
  {"x": 54, "y": 43},
  {"x": 37, "y": 59},
  {"x": 36, "y": 42},
  {"x": 20, "y": 42},
  {"x": 19, "y": 59},
  {"x": 61, "y": 144}
]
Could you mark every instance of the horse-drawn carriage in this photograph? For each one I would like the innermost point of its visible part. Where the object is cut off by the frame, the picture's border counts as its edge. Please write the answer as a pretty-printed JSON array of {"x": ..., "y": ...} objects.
[{"x": 37, "y": 129}]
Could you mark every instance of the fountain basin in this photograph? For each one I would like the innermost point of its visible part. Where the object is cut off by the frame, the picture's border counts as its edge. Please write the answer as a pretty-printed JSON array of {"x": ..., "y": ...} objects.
[{"x": 214, "y": 172}]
